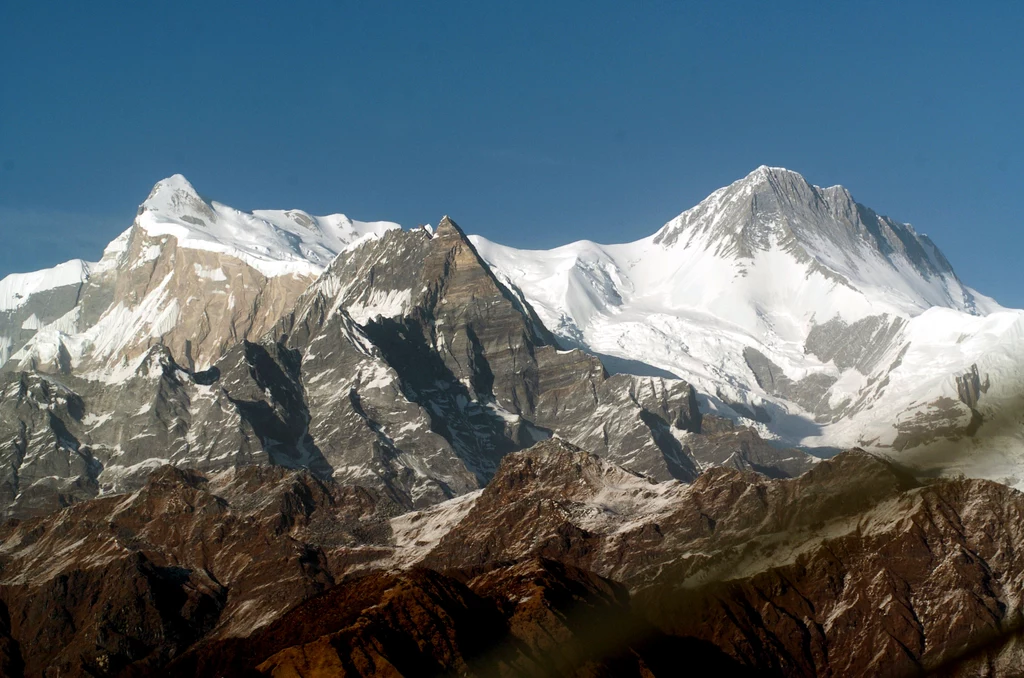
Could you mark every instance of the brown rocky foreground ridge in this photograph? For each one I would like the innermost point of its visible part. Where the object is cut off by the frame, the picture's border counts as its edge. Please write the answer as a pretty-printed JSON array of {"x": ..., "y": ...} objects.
[{"x": 563, "y": 565}]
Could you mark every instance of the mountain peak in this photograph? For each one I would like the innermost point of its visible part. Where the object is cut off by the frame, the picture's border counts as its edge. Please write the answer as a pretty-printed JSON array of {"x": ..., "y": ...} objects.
[
  {"x": 793, "y": 187},
  {"x": 773, "y": 211},
  {"x": 448, "y": 227},
  {"x": 175, "y": 196},
  {"x": 163, "y": 190},
  {"x": 779, "y": 180},
  {"x": 176, "y": 182},
  {"x": 767, "y": 171},
  {"x": 776, "y": 208}
]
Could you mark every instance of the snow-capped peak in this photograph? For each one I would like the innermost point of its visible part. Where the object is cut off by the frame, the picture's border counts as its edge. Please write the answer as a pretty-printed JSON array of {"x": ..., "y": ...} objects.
[
  {"x": 756, "y": 269},
  {"x": 185, "y": 263},
  {"x": 175, "y": 182},
  {"x": 175, "y": 197},
  {"x": 775, "y": 209},
  {"x": 274, "y": 242},
  {"x": 764, "y": 172}
]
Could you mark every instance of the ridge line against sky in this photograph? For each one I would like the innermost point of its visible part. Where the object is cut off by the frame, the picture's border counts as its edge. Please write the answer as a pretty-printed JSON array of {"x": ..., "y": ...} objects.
[{"x": 533, "y": 125}]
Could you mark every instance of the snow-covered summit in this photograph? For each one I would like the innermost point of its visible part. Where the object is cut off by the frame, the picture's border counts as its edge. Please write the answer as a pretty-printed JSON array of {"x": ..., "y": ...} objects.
[
  {"x": 768, "y": 254},
  {"x": 784, "y": 302},
  {"x": 274, "y": 242},
  {"x": 777, "y": 209},
  {"x": 191, "y": 274}
]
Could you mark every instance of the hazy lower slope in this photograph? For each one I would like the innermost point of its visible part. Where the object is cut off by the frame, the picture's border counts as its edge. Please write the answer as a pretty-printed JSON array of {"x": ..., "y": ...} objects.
[{"x": 565, "y": 565}]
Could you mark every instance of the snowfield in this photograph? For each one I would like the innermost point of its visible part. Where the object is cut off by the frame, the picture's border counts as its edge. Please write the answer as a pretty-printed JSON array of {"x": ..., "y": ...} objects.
[
  {"x": 274, "y": 242},
  {"x": 773, "y": 265}
]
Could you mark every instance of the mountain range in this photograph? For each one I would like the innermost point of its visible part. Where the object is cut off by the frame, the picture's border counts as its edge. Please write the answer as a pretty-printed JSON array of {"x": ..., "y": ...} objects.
[{"x": 385, "y": 414}]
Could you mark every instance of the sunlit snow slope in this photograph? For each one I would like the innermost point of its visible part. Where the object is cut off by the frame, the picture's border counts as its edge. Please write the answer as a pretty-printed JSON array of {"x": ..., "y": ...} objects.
[
  {"x": 274, "y": 242},
  {"x": 793, "y": 306},
  {"x": 789, "y": 306},
  {"x": 194, "y": 275}
]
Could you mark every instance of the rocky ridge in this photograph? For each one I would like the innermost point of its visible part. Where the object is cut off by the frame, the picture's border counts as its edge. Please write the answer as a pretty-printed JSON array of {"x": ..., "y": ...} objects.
[
  {"x": 31, "y": 301},
  {"x": 853, "y": 568},
  {"x": 406, "y": 367},
  {"x": 391, "y": 468}
]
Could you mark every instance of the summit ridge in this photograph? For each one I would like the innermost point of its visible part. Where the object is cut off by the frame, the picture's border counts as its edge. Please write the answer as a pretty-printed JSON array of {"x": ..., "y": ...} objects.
[{"x": 772, "y": 319}]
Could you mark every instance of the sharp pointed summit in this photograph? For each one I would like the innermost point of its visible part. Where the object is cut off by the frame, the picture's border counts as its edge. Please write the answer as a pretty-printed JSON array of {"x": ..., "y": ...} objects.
[
  {"x": 447, "y": 227},
  {"x": 175, "y": 196}
]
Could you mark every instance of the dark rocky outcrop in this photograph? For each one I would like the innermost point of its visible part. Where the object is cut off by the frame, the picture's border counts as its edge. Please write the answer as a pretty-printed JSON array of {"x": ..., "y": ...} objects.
[
  {"x": 133, "y": 580},
  {"x": 563, "y": 565},
  {"x": 535, "y": 618}
]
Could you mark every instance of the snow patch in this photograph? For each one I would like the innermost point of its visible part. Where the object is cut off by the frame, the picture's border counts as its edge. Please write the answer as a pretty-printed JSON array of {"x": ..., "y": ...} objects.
[
  {"x": 16, "y": 288},
  {"x": 386, "y": 304},
  {"x": 214, "y": 274},
  {"x": 417, "y": 533}
]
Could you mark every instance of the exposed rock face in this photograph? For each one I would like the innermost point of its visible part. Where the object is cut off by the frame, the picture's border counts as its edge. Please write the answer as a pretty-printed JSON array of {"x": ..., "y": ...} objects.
[
  {"x": 853, "y": 569},
  {"x": 406, "y": 367},
  {"x": 811, "y": 392},
  {"x": 43, "y": 461},
  {"x": 148, "y": 291},
  {"x": 555, "y": 497},
  {"x": 193, "y": 275},
  {"x": 135, "y": 579},
  {"x": 860, "y": 345},
  {"x": 486, "y": 372},
  {"x": 969, "y": 387},
  {"x": 198, "y": 573},
  {"x": 535, "y": 618},
  {"x": 776, "y": 207}
]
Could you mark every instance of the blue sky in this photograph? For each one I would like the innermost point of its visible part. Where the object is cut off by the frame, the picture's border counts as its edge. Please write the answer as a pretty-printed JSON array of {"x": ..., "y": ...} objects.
[{"x": 533, "y": 124}]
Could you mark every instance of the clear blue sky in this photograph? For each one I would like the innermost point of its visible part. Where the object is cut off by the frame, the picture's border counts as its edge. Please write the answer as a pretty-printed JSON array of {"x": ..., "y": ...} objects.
[{"x": 533, "y": 124}]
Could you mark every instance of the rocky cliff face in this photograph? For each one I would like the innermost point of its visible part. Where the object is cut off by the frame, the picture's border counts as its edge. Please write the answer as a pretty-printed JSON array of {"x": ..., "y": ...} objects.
[
  {"x": 564, "y": 565},
  {"x": 149, "y": 290},
  {"x": 851, "y": 569},
  {"x": 184, "y": 557},
  {"x": 406, "y": 367}
]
